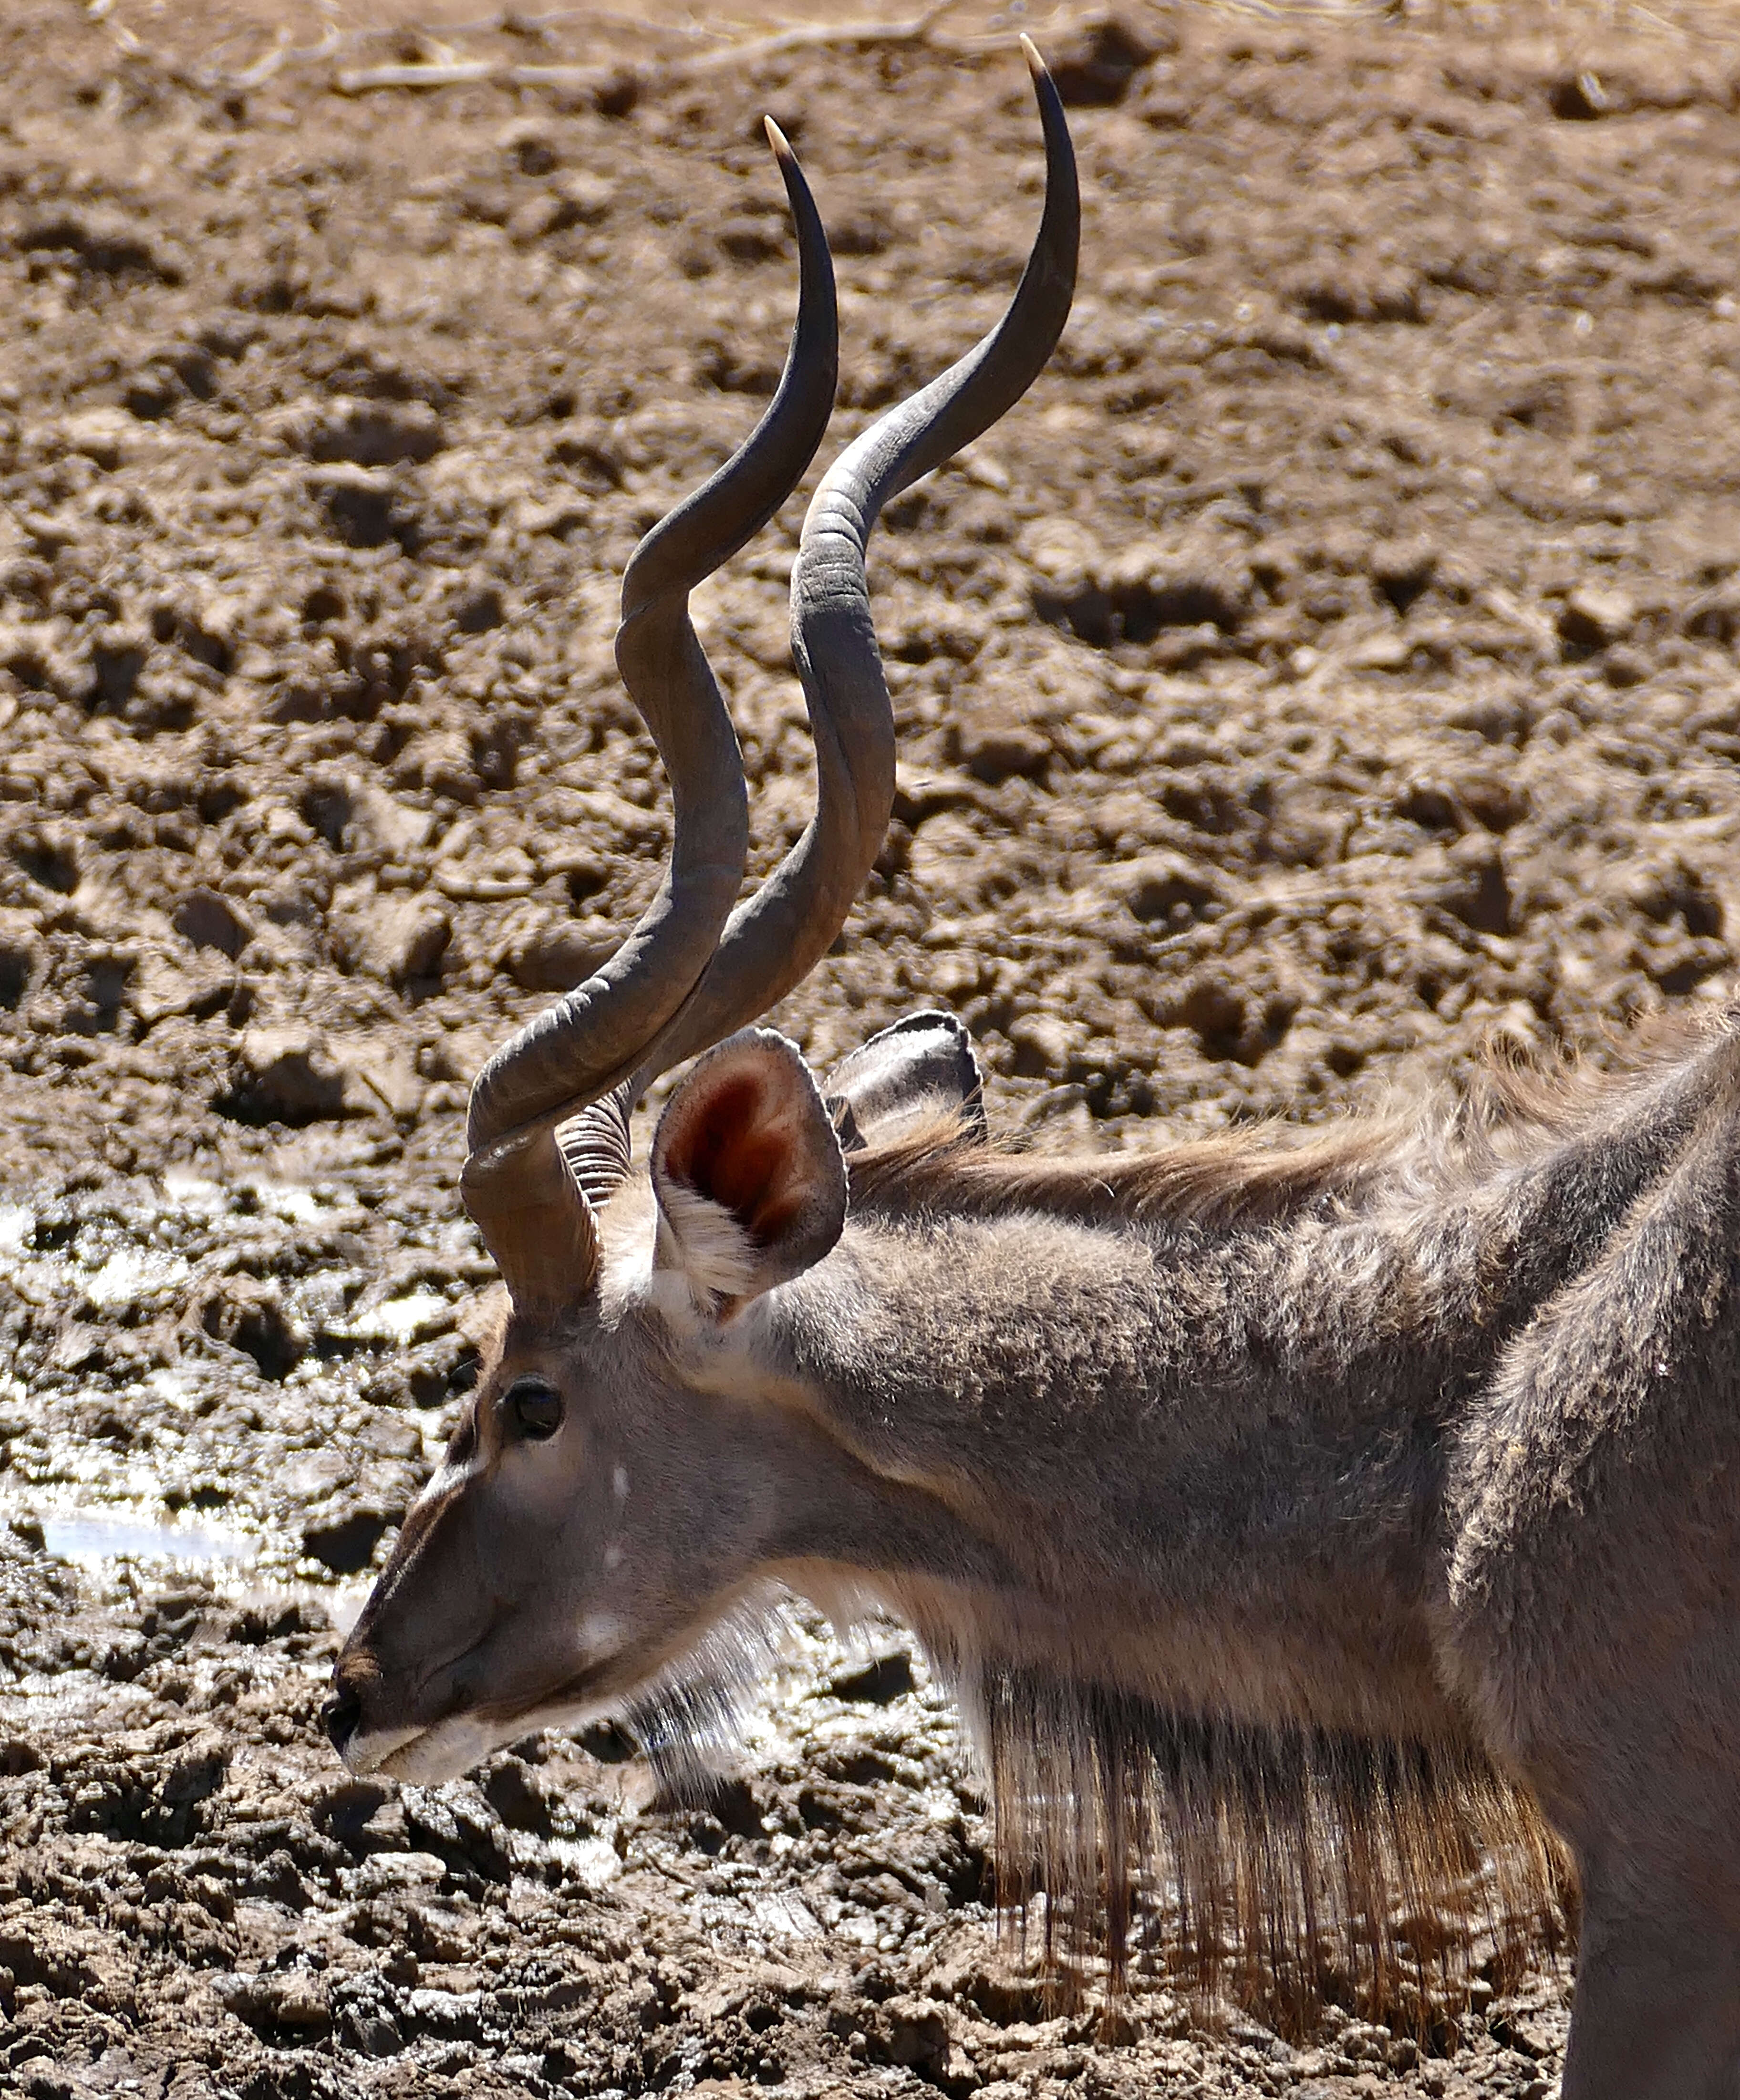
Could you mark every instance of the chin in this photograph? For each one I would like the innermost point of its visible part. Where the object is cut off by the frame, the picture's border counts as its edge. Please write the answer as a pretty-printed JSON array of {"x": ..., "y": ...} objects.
[
  {"x": 425, "y": 1756},
  {"x": 449, "y": 1748}
]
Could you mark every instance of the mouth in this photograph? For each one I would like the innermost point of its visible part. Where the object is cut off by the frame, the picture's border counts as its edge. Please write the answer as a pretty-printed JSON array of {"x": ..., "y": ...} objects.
[
  {"x": 447, "y": 1749},
  {"x": 364, "y": 1753},
  {"x": 426, "y": 1757}
]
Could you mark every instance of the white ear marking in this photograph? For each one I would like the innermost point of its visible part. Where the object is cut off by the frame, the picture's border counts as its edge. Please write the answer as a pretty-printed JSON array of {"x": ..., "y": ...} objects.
[{"x": 702, "y": 1239}]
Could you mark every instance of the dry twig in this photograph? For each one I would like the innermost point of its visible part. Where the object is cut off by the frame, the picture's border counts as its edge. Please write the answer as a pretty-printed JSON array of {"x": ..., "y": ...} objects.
[{"x": 457, "y": 73}]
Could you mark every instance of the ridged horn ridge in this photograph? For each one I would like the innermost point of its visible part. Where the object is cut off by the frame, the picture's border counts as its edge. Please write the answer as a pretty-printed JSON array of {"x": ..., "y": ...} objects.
[
  {"x": 695, "y": 968},
  {"x": 582, "y": 1047},
  {"x": 775, "y": 937}
]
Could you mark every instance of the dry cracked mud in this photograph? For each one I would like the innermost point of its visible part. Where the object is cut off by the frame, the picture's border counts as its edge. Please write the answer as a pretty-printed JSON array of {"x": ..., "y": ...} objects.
[{"x": 1328, "y": 668}]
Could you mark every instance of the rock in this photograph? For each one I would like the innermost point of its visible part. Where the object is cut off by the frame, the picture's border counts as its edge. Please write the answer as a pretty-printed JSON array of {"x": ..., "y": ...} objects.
[
  {"x": 247, "y": 1314},
  {"x": 517, "y": 1799},
  {"x": 577, "y": 199},
  {"x": 211, "y": 921},
  {"x": 1215, "y": 1010},
  {"x": 1623, "y": 666},
  {"x": 1402, "y": 570},
  {"x": 1165, "y": 886},
  {"x": 439, "y": 760},
  {"x": 992, "y": 750},
  {"x": 1664, "y": 890},
  {"x": 529, "y": 147},
  {"x": 1430, "y": 804},
  {"x": 1579, "y": 98},
  {"x": 20, "y": 958},
  {"x": 346, "y": 1543},
  {"x": 912, "y": 2032},
  {"x": 879, "y": 1682},
  {"x": 1478, "y": 890},
  {"x": 1496, "y": 801},
  {"x": 589, "y": 197},
  {"x": 363, "y": 505},
  {"x": 592, "y": 453},
  {"x": 400, "y": 940},
  {"x": 1094, "y": 65},
  {"x": 1232, "y": 1021},
  {"x": 266, "y": 1616},
  {"x": 107, "y": 243},
  {"x": 377, "y": 2034},
  {"x": 284, "y": 1075},
  {"x": 478, "y": 609},
  {"x": 391, "y": 828},
  {"x": 118, "y": 655},
  {"x": 1133, "y": 594},
  {"x": 375, "y": 433},
  {"x": 196, "y": 1774},
  {"x": 103, "y": 435},
  {"x": 344, "y": 1809},
  {"x": 1044, "y": 1044},
  {"x": 934, "y": 628},
  {"x": 557, "y": 957},
  {"x": 293, "y": 1999},
  {"x": 200, "y": 986},
  {"x": 921, "y": 795},
  {"x": 1348, "y": 290},
  {"x": 153, "y": 393},
  {"x": 420, "y": 940},
  {"x": 49, "y": 854},
  {"x": 618, "y": 93},
  {"x": 456, "y": 1826},
  {"x": 381, "y": 1071},
  {"x": 1594, "y": 614},
  {"x": 1486, "y": 796}
]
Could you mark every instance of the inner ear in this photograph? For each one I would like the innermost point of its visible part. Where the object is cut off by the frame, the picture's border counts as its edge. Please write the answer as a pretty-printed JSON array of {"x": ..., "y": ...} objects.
[
  {"x": 732, "y": 1150},
  {"x": 747, "y": 1136}
]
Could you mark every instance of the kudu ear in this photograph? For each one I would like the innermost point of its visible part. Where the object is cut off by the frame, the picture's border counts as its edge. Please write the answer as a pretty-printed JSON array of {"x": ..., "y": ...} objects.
[
  {"x": 921, "y": 1070},
  {"x": 747, "y": 1170}
]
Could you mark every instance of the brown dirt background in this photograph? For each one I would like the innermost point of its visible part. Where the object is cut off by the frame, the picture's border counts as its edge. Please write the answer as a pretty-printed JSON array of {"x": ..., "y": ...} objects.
[{"x": 1328, "y": 668}]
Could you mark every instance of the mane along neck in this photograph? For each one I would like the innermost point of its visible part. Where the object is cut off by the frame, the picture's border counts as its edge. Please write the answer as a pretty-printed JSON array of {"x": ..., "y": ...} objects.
[
  {"x": 1507, "y": 1118},
  {"x": 1239, "y": 1178}
]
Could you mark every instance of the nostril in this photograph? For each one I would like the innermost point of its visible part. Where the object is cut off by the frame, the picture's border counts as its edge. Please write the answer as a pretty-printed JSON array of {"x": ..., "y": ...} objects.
[{"x": 341, "y": 1717}]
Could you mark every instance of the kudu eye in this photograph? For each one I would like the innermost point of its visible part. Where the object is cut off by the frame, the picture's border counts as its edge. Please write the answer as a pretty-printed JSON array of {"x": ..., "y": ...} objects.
[{"x": 534, "y": 1409}]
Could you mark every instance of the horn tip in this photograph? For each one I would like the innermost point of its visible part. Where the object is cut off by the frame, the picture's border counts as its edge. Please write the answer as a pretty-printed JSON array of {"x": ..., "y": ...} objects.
[
  {"x": 781, "y": 145},
  {"x": 1036, "y": 64}
]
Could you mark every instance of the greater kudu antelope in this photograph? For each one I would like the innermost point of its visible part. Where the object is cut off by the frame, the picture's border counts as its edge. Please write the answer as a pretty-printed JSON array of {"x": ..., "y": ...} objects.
[{"x": 1304, "y": 1511}]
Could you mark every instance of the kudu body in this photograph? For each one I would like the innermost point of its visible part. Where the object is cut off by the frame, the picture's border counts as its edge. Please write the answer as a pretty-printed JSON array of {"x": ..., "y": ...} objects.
[{"x": 1302, "y": 1513}]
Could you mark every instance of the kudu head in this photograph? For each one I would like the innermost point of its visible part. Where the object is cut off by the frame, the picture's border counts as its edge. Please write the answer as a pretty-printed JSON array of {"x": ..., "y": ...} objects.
[{"x": 604, "y": 1502}]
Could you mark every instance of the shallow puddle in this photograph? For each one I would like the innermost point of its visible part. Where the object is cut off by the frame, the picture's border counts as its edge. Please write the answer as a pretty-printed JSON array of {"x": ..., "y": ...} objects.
[{"x": 92, "y": 1536}]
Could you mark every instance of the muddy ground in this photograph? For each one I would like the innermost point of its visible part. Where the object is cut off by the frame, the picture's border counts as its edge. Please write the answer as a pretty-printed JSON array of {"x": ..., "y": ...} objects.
[{"x": 1330, "y": 667}]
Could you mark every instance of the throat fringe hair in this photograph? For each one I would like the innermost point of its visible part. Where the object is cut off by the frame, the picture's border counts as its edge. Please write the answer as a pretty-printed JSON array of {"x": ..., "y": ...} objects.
[
  {"x": 1284, "y": 1867},
  {"x": 690, "y": 1718}
]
